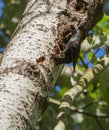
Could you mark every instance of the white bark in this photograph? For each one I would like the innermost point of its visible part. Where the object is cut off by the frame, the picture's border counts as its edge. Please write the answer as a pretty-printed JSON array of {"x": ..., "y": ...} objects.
[{"x": 28, "y": 70}]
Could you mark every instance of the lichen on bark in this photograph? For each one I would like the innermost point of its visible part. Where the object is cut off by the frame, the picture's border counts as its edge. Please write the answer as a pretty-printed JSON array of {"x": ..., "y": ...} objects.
[{"x": 28, "y": 70}]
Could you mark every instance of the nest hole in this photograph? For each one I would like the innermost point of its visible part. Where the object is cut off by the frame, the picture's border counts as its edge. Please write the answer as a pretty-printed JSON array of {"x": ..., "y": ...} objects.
[{"x": 78, "y": 7}]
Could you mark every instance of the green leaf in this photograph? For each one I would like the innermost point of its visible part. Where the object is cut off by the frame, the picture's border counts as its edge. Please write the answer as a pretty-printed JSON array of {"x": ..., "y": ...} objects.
[
  {"x": 103, "y": 38},
  {"x": 104, "y": 24},
  {"x": 104, "y": 85},
  {"x": 90, "y": 39},
  {"x": 90, "y": 55}
]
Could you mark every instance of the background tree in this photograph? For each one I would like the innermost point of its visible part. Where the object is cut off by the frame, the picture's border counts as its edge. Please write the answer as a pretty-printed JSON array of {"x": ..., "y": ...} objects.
[{"x": 93, "y": 103}]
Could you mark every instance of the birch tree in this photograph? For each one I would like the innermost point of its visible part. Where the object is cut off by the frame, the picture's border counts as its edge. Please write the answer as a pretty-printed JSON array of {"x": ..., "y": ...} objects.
[{"x": 32, "y": 61}]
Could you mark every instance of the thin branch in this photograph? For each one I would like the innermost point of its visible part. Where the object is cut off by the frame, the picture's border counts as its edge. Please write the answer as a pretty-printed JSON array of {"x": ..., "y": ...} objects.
[
  {"x": 1, "y": 41},
  {"x": 54, "y": 101},
  {"x": 93, "y": 56},
  {"x": 70, "y": 95},
  {"x": 99, "y": 124},
  {"x": 91, "y": 114},
  {"x": 90, "y": 103},
  {"x": 83, "y": 62},
  {"x": 81, "y": 111}
]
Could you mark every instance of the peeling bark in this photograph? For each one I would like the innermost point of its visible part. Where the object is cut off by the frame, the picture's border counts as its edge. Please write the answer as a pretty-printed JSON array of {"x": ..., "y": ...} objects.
[{"x": 28, "y": 70}]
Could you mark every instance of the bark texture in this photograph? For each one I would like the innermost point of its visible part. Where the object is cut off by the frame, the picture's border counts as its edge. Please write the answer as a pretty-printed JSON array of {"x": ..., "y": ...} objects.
[
  {"x": 28, "y": 70},
  {"x": 69, "y": 96}
]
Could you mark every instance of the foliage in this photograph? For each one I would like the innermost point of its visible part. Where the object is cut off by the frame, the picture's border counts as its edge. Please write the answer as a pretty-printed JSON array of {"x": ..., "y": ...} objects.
[
  {"x": 12, "y": 10},
  {"x": 94, "y": 101}
]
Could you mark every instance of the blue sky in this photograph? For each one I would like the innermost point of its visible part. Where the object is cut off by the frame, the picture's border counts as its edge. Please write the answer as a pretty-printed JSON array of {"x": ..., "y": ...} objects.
[{"x": 1, "y": 7}]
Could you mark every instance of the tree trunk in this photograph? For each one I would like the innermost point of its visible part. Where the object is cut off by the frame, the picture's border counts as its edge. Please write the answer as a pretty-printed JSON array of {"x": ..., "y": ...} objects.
[{"x": 28, "y": 70}]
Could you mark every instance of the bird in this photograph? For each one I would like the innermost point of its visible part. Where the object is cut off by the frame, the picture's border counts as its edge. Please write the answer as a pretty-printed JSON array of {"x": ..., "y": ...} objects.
[{"x": 71, "y": 51}]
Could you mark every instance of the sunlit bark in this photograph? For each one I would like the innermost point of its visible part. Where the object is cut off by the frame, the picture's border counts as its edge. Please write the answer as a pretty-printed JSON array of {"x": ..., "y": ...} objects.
[{"x": 28, "y": 70}]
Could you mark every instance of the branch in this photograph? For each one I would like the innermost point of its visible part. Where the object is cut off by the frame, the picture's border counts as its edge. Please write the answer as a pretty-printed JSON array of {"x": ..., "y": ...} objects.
[
  {"x": 93, "y": 56},
  {"x": 91, "y": 114},
  {"x": 28, "y": 70},
  {"x": 81, "y": 111},
  {"x": 99, "y": 124},
  {"x": 85, "y": 65},
  {"x": 70, "y": 95},
  {"x": 74, "y": 109},
  {"x": 91, "y": 103}
]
